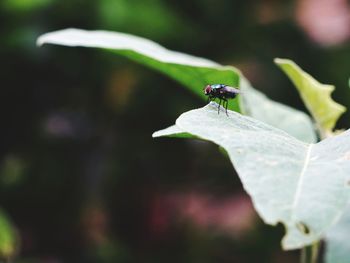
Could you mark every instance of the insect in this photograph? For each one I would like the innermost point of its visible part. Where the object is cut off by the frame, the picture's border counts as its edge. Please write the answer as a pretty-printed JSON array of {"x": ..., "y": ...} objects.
[{"x": 222, "y": 92}]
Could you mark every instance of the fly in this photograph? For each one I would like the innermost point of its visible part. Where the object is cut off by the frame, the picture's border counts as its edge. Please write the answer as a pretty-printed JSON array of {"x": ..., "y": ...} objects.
[{"x": 222, "y": 92}]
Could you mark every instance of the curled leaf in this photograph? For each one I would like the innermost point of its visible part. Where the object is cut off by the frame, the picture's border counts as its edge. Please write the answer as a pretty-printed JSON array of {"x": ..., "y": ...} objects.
[{"x": 316, "y": 96}]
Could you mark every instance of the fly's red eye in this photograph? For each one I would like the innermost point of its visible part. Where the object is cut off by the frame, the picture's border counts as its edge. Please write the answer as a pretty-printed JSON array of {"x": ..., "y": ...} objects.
[{"x": 207, "y": 90}]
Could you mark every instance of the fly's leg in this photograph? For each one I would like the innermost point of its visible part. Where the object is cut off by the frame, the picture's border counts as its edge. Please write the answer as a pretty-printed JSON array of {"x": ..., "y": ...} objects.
[
  {"x": 219, "y": 106},
  {"x": 226, "y": 107}
]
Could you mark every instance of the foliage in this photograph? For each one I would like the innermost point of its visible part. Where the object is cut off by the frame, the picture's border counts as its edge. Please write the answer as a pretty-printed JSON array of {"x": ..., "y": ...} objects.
[
  {"x": 303, "y": 185},
  {"x": 193, "y": 72},
  {"x": 8, "y": 240},
  {"x": 315, "y": 95}
]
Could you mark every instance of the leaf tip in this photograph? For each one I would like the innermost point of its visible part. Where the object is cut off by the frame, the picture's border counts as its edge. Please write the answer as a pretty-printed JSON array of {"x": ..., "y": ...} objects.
[
  {"x": 40, "y": 41},
  {"x": 60, "y": 37},
  {"x": 281, "y": 60},
  {"x": 155, "y": 134},
  {"x": 44, "y": 39}
]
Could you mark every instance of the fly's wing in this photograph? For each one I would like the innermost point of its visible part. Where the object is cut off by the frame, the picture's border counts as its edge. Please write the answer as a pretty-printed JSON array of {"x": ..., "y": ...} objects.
[{"x": 233, "y": 90}]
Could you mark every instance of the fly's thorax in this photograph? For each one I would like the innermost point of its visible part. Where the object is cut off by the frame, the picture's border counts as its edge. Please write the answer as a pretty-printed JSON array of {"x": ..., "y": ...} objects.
[{"x": 218, "y": 86}]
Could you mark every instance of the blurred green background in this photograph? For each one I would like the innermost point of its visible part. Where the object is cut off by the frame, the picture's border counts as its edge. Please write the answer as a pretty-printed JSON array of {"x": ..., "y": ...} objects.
[{"x": 81, "y": 179}]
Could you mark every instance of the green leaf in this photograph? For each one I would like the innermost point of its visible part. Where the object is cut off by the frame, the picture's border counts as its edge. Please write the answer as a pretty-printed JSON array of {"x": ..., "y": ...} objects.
[
  {"x": 304, "y": 186},
  {"x": 316, "y": 96},
  {"x": 7, "y": 238},
  {"x": 337, "y": 241},
  {"x": 23, "y": 5},
  {"x": 192, "y": 72}
]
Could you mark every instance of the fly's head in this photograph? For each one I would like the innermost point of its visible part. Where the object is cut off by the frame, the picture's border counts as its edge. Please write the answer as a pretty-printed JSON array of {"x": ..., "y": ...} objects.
[{"x": 208, "y": 90}]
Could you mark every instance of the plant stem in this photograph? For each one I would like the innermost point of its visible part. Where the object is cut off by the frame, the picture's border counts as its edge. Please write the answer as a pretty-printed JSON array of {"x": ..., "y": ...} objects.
[{"x": 309, "y": 254}]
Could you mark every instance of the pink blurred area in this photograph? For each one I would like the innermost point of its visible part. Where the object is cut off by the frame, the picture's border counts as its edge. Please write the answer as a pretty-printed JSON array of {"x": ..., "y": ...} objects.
[
  {"x": 233, "y": 215},
  {"x": 326, "y": 22}
]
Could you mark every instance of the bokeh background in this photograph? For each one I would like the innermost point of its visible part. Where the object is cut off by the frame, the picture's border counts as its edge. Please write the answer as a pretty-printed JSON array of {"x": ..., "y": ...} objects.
[{"x": 81, "y": 179}]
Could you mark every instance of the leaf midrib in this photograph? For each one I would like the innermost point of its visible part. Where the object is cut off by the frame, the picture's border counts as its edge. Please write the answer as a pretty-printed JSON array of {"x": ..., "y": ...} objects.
[{"x": 300, "y": 181}]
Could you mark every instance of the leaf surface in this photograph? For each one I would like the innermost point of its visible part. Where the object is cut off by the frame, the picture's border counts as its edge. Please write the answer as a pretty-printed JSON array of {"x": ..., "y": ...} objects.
[
  {"x": 304, "y": 186},
  {"x": 337, "y": 241}
]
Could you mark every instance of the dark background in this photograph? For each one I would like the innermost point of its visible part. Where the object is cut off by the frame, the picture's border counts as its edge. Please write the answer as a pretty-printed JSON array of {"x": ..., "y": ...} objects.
[{"x": 81, "y": 179}]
